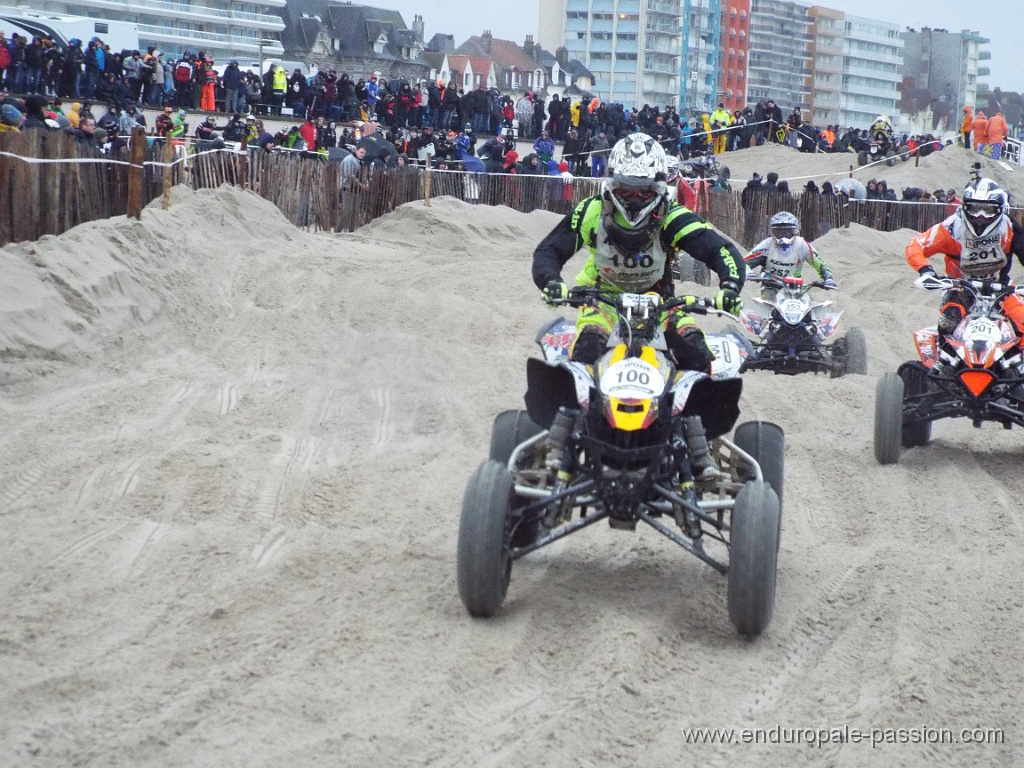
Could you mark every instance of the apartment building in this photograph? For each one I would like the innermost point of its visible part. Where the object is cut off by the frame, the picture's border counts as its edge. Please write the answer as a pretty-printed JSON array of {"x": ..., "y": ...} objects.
[
  {"x": 734, "y": 50},
  {"x": 947, "y": 64},
  {"x": 872, "y": 70},
  {"x": 702, "y": 37},
  {"x": 779, "y": 54},
  {"x": 824, "y": 81},
  {"x": 633, "y": 48},
  {"x": 223, "y": 28}
]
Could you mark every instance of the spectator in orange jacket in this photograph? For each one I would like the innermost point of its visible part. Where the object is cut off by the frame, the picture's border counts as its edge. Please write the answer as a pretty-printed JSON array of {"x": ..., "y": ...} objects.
[
  {"x": 998, "y": 130},
  {"x": 980, "y": 129},
  {"x": 967, "y": 126}
]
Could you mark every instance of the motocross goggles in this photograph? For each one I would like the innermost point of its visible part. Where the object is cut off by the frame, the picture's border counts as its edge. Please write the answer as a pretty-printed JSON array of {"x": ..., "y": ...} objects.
[
  {"x": 783, "y": 235},
  {"x": 635, "y": 196},
  {"x": 981, "y": 210}
]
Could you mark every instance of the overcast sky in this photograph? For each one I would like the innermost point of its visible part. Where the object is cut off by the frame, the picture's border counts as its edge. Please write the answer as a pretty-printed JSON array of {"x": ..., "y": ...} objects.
[{"x": 999, "y": 20}]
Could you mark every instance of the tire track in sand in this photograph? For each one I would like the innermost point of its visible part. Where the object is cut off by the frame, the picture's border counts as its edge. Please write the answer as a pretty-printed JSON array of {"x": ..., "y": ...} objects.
[{"x": 823, "y": 621}]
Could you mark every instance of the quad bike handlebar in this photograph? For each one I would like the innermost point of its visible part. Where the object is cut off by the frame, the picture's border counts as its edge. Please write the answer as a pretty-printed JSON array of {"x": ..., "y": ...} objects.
[
  {"x": 645, "y": 304},
  {"x": 993, "y": 289},
  {"x": 773, "y": 281}
]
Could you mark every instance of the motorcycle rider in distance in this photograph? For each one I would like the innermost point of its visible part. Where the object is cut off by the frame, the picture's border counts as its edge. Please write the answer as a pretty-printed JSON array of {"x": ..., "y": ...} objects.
[
  {"x": 632, "y": 230},
  {"x": 978, "y": 241},
  {"x": 784, "y": 253}
]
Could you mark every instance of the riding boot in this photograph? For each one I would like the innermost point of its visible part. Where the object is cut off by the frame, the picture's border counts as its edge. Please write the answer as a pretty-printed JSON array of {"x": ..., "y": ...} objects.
[{"x": 704, "y": 465}]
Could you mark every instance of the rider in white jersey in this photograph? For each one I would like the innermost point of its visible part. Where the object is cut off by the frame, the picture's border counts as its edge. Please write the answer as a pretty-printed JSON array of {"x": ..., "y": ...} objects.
[{"x": 784, "y": 253}]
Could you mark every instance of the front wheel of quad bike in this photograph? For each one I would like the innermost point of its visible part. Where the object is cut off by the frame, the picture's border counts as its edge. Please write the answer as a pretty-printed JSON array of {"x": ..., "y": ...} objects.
[
  {"x": 753, "y": 558},
  {"x": 766, "y": 442},
  {"x": 484, "y": 562},
  {"x": 510, "y": 429},
  {"x": 856, "y": 352},
  {"x": 915, "y": 382},
  {"x": 888, "y": 418},
  {"x": 862, "y": 158},
  {"x": 904, "y": 152},
  {"x": 890, "y": 158}
]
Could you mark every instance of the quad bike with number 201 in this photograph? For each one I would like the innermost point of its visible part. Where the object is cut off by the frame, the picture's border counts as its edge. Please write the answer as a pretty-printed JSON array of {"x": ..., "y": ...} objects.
[{"x": 977, "y": 373}]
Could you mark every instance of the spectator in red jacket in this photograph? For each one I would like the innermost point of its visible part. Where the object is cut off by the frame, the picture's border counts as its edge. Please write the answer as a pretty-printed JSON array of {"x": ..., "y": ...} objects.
[{"x": 308, "y": 131}]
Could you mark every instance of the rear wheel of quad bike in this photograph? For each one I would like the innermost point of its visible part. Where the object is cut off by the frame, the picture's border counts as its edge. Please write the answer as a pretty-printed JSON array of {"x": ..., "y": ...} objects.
[
  {"x": 510, "y": 429},
  {"x": 890, "y": 158},
  {"x": 915, "y": 382},
  {"x": 766, "y": 442},
  {"x": 862, "y": 157},
  {"x": 484, "y": 565},
  {"x": 753, "y": 558},
  {"x": 856, "y": 352},
  {"x": 888, "y": 418}
]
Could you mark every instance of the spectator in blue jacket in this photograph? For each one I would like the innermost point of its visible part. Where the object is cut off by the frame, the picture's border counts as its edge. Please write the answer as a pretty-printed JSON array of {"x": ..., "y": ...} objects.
[
  {"x": 232, "y": 79},
  {"x": 372, "y": 96},
  {"x": 544, "y": 147}
]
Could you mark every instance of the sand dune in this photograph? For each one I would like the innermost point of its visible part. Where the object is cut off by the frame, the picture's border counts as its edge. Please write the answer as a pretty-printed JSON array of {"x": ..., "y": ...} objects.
[{"x": 230, "y": 477}]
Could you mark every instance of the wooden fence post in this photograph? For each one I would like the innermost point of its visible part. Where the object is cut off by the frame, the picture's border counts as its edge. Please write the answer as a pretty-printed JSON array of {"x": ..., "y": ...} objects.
[
  {"x": 168, "y": 171},
  {"x": 137, "y": 174},
  {"x": 426, "y": 181}
]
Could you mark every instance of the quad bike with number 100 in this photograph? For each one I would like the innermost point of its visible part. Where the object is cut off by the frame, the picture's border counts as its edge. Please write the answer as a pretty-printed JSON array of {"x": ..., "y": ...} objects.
[{"x": 608, "y": 442}]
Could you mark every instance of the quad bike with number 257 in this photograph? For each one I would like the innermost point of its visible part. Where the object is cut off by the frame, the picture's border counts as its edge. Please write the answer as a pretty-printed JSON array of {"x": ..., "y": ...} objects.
[
  {"x": 609, "y": 442},
  {"x": 792, "y": 330}
]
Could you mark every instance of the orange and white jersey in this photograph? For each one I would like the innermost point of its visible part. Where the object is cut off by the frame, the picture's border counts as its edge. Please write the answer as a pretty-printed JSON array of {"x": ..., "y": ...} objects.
[{"x": 968, "y": 255}]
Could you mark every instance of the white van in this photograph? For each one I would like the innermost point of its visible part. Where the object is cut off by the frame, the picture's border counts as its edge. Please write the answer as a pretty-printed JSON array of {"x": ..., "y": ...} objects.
[{"x": 119, "y": 35}]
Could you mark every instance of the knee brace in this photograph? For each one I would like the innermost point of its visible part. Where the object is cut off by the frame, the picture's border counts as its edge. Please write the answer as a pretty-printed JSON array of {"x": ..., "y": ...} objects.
[
  {"x": 949, "y": 317},
  {"x": 689, "y": 349},
  {"x": 590, "y": 345}
]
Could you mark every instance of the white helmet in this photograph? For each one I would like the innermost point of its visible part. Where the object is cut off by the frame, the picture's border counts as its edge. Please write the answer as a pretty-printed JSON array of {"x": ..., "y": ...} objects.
[
  {"x": 983, "y": 207},
  {"x": 635, "y": 185},
  {"x": 784, "y": 228}
]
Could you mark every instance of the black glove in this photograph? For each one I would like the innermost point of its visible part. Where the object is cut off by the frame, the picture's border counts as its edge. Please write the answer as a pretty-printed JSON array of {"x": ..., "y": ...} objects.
[
  {"x": 828, "y": 280},
  {"x": 555, "y": 290},
  {"x": 926, "y": 270},
  {"x": 728, "y": 298}
]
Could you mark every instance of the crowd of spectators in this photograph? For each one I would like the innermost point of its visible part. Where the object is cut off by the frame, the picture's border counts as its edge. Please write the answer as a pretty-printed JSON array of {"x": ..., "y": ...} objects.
[{"x": 97, "y": 95}]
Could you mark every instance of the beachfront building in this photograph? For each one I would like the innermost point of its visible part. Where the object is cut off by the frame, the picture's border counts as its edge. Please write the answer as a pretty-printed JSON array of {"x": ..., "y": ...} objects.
[
  {"x": 633, "y": 48},
  {"x": 734, "y": 50},
  {"x": 824, "y": 81},
  {"x": 516, "y": 67},
  {"x": 356, "y": 39},
  {"x": 702, "y": 39},
  {"x": 944, "y": 68},
  {"x": 872, "y": 70},
  {"x": 779, "y": 54},
  {"x": 224, "y": 29}
]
